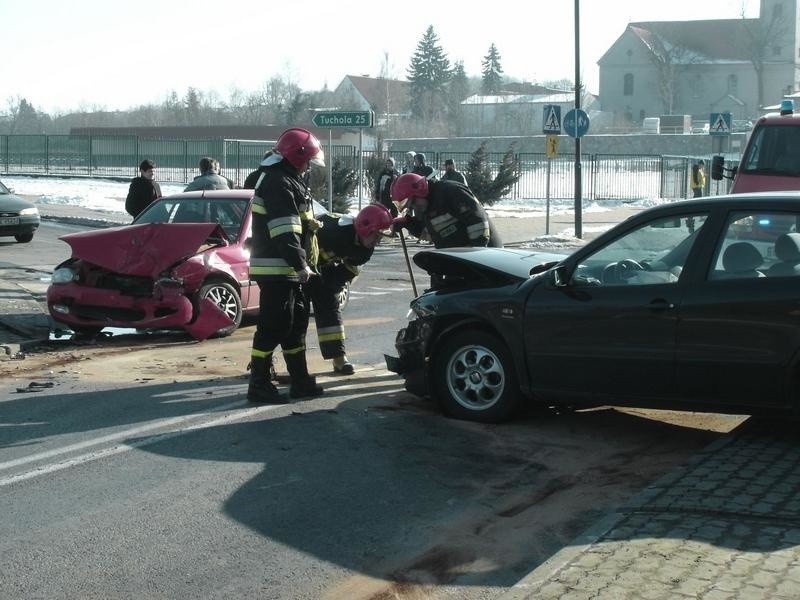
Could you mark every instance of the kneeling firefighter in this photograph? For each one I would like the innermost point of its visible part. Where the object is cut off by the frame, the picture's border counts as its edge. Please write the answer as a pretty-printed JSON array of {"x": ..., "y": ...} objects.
[{"x": 345, "y": 243}]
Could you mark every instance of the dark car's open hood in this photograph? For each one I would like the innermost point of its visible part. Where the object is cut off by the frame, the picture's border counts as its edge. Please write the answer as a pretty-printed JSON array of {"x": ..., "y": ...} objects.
[
  {"x": 487, "y": 263},
  {"x": 142, "y": 250}
]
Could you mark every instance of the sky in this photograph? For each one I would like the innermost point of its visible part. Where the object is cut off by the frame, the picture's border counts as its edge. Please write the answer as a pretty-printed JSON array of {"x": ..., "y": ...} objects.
[{"x": 117, "y": 54}]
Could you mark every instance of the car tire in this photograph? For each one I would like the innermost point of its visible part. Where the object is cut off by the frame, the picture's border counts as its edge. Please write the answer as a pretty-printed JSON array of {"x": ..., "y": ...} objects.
[
  {"x": 225, "y": 296},
  {"x": 24, "y": 238},
  {"x": 474, "y": 378}
]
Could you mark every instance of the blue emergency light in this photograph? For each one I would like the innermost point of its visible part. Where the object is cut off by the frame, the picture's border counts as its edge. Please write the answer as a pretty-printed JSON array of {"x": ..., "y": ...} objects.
[{"x": 787, "y": 107}]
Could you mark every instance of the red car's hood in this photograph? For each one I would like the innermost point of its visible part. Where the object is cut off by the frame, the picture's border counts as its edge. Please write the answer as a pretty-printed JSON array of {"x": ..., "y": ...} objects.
[{"x": 144, "y": 250}]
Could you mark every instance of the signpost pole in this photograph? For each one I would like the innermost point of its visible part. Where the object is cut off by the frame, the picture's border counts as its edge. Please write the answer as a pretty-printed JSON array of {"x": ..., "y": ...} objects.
[
  {"x": 330, "y": 170},
  {"x": 360, "y": 166},
  {"x": 547, "y": 210},
  {"x": 578, "y": 178}
]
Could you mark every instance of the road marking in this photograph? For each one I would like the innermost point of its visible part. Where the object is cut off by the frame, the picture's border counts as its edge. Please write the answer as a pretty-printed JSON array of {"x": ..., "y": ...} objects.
[{"x": 124, "y": 447}]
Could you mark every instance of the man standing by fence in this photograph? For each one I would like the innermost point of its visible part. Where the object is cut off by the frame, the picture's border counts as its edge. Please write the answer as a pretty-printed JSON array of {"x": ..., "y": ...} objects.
[{"x": 143, "y": 190}]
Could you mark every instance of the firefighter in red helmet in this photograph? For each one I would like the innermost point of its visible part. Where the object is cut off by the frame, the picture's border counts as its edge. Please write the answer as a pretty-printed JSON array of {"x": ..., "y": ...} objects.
[
  {"x": 282, "y": 260},
  {"x": 345, "y": 243},
  {"x": 447, "y": 210}
]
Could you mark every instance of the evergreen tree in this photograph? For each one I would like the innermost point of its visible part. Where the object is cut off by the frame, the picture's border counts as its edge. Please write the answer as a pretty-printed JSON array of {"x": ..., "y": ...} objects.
[
  {"x": 458, "y": 89},
  {"x": 492, "y": 71},
  {"x": 428, "y": 73},
  {"x": 490, "y": 189}
]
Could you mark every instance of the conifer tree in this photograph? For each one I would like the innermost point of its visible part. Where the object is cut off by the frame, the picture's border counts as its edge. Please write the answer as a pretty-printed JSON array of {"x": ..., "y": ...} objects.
[
  {"x": 428, "y": 74},
  {"x": 490, "y": 189},
  {"x": 492, "y": 72}
]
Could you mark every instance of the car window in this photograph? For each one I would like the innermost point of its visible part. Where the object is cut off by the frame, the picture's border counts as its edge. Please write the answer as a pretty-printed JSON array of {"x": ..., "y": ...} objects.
[
  {"x": 654, "y": 253},
  {"x": 756, "y": 245},
  {"x": 229, "y": 214},
  {"x": 4, "y": 189}
]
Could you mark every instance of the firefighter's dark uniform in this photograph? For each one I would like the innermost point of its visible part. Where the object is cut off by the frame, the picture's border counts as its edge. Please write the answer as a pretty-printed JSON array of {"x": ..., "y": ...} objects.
[
  {"x": 454, "y": 218},
  {"x": 283, "y": 243},
  {"x": 340, "y": 255}
]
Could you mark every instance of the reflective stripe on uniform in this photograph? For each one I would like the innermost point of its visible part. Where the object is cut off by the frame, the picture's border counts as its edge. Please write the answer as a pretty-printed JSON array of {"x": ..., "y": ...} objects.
[
  {"x": 270, "y": 266},
  {"x": 478, "y": 230},
  {"x": 260, "y": 353},
  {"x": 442, "y": 221},
  {"x": 330, "y": 334},
  {"x": 258, "y": 206},
  {"x": 281, "y": 225},
  {"x": 295, "y": 350}
]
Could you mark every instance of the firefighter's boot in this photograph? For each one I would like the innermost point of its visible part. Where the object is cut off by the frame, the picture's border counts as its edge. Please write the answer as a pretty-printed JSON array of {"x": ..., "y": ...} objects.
[
  {"x": 260, "y": 389},
  {"x": 303, "y": 385}
]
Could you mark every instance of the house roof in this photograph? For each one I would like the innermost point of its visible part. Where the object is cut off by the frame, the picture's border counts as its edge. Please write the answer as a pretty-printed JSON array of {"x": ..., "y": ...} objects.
[
  {"x": 376, "y": 91},
  {"x": 230, "y": 132},
  {"x": 704, "y": 41},
  {"x": 561, "y": 97}
]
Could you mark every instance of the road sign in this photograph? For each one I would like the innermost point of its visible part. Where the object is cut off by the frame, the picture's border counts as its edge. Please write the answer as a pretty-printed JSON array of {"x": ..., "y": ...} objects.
[
  {"x": 551, "y": 119},
  {"x": 576, "y": 123},
  {"x": 352, "y": 119},
  {"x": 720, "y": 124},
  {"x": 551, "y": 146}
]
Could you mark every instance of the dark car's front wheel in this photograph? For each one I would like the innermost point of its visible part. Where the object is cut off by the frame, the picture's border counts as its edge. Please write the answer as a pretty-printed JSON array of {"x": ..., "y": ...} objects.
[
  {"x": 23, "y": 238},
  {"x": 473, "y": 377},
  {"x": 227, "y": 299}
]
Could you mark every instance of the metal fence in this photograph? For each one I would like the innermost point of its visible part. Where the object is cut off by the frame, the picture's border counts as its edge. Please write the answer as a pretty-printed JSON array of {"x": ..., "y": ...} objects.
[{"x": 604, "y": 176}]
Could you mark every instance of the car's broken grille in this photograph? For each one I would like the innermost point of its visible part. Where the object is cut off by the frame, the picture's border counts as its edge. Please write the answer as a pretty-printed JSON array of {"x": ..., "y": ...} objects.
[
  {"x": 107, "y": 313},
  {"x": 125, "y": 284}
]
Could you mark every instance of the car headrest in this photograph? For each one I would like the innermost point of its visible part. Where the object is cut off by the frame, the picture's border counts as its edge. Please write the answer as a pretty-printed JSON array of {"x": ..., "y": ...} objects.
[
  {"x": 787, "y": 247},
  {"x": 741, "y": 256}
]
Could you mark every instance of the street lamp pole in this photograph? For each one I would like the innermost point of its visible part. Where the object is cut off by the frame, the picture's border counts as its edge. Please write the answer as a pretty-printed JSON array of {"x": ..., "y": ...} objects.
[{"x": 578, "y": 177}]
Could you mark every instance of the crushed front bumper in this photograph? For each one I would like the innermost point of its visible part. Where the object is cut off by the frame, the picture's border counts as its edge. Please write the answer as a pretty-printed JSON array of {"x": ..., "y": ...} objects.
[{"x": 412, "y": 360}]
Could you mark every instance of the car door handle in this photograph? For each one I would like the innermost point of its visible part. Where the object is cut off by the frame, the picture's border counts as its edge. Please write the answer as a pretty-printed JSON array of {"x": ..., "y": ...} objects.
[{"x": 660, "y": 304}]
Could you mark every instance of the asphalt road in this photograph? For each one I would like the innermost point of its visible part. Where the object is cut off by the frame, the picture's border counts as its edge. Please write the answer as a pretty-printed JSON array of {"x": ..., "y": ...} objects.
[{"x": 139, "y": 471}]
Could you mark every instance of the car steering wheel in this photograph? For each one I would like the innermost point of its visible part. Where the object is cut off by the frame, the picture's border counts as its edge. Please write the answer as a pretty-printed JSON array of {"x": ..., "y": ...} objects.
[{"x": 620, "y": 271}]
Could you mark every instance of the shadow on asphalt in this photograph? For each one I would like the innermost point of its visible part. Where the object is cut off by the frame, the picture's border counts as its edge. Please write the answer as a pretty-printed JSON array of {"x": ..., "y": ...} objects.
[{"x": 383, "y": 485}]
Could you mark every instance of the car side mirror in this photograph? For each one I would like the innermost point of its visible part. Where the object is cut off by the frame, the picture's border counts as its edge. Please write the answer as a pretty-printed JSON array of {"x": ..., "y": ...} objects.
[{"x": 558, "y": 276}]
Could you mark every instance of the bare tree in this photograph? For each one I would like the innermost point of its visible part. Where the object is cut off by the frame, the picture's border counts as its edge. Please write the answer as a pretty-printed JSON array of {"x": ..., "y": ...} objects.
[{"x": 762, "y": 35}]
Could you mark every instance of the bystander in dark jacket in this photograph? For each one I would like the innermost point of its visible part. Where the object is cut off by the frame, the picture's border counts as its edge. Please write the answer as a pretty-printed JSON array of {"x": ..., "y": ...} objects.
[
  {"x": 383, "y": 186},
  {"x": 420, "y": 168},
  {"x": 451, "y": 174},
  {"x": 143, "y": 190}
]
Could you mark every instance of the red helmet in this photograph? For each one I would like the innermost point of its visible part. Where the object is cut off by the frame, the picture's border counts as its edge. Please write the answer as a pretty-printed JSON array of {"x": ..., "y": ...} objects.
[
  {"x": 409, "y": 185},
  {"x": 299, "y": 146},
  {"x": 372, "y": 218}
]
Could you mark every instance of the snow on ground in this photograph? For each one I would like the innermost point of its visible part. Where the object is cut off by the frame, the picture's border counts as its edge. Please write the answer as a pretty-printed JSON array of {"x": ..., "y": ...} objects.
[{"x": 109, "y": 196}]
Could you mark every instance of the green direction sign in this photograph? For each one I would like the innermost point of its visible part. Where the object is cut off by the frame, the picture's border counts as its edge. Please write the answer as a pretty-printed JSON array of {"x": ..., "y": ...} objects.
[{"x": 334, "y": 119}]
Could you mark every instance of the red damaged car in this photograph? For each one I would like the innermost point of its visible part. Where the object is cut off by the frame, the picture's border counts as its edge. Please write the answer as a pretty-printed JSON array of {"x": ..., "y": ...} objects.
[{"x": 182, "y": 264}]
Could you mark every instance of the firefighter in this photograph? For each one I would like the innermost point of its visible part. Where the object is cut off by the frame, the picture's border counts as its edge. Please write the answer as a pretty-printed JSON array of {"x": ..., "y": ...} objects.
[
  {"x": 448, "y": 211},
  {"x": 282, "y": 260},
  {"x": 345, "y": 243}
]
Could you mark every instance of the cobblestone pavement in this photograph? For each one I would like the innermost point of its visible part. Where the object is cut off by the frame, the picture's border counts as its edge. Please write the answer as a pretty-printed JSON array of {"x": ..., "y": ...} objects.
[{"x": 724, "y": 526}]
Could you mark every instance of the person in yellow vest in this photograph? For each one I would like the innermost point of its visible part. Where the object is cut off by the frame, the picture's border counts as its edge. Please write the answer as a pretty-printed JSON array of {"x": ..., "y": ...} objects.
[{"x": 698, "y": 178}]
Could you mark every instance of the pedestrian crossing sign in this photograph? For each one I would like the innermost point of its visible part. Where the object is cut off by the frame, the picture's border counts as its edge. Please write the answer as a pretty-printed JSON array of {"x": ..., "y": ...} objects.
[
  {"x": 720, "y": 124},
  {"x": 552, "y": 119}
]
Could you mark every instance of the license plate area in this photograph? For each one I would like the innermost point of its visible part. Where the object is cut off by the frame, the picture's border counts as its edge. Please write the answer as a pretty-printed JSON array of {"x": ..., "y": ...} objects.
[{"x": 9, "y": 220}]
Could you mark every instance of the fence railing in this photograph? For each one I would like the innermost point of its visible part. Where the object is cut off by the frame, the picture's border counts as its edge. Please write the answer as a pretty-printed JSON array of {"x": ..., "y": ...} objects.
[{"x": 604, "y": 176}]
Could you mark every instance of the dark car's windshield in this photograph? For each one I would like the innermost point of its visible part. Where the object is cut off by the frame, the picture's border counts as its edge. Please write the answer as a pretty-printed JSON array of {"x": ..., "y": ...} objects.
[{"x": 229, "y": 214}]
